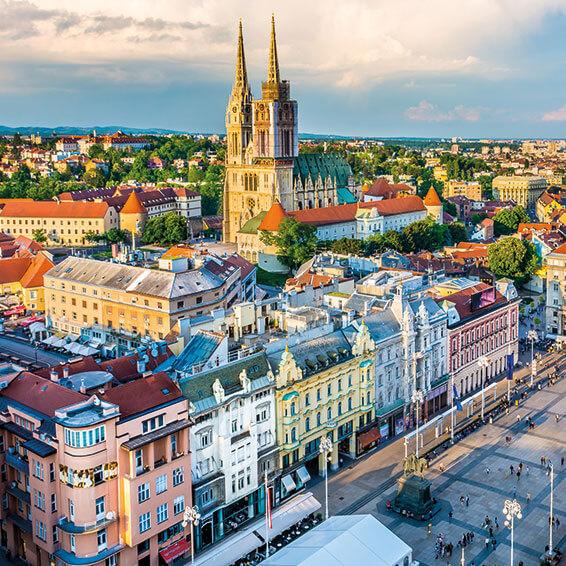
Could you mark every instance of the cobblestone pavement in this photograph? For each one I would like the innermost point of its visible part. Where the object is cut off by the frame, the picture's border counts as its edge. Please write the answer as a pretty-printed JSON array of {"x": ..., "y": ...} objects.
[{"x": 465, "y": 474}]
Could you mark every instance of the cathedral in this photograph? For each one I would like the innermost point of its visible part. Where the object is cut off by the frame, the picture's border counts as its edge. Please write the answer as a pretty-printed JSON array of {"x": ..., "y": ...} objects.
[{"x": 263, "y": 165}]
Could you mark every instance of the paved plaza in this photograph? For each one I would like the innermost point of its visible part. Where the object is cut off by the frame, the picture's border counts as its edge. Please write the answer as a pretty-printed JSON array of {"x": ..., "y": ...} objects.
[{"x": 465, "y": 474}]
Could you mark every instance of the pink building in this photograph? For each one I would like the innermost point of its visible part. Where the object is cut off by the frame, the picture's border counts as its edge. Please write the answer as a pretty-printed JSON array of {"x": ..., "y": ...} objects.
[
  {"x": 481, "y": 322},
  {"x": 97, "y": 476}
]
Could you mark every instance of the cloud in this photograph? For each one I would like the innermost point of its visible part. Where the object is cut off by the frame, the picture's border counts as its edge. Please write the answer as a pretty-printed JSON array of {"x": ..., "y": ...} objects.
[
  {"x": 555, "y": 115},
  {"x": 425, "y": 111}
]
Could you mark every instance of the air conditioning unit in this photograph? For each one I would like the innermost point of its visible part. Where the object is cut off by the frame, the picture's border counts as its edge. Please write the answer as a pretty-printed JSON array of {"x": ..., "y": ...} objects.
[{"x": 110, "y": 515}]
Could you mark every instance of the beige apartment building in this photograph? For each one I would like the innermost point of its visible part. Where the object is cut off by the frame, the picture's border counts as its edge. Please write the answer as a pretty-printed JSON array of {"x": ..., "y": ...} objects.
[
  {"x": 96, "y": 476},
  {"x": 556, "y": 293},
  {"x": 61, "y": 222},
  {"x": 84, "y": 293},
  {"x": 523, "y": 189},
  {"x": 468, "y": 189}
]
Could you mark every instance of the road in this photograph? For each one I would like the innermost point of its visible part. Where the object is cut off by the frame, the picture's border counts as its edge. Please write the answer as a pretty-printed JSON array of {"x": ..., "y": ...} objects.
[
  {"x": 27, "y": 352},
  {"x": 353, "y": 486}
]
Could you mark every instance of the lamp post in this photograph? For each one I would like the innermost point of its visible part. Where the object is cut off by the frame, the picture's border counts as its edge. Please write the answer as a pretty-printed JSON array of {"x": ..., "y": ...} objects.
[
  {"x": 192, "y": 516},
  {"x": 532, "y": 335},
  {"x": 417, "y": 398},
  {"x": 484, "y": 362},
  {"x": 550, "y": 521},
  {"x": 512, "y": 509},
  {"x": 326, "y": 451}
]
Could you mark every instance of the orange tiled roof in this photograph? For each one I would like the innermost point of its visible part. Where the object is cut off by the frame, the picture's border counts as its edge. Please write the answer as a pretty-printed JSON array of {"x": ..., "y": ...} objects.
[
  {"x": 401, "y": 205},
  {"x": 179, "y": 250},
  {"x": 327, "y": 215},
  {"x": 528, "y": 226},
  {"x": 12, "y": 269},
  {"x": 133, "y": 205},
  {"x": 53, "y": 209},
  {"x": 33, "y": 277},
  {"x": 432, "y": 198},
  {"x": 273, "y": 218},
  {"x": 560, "y": 249}
]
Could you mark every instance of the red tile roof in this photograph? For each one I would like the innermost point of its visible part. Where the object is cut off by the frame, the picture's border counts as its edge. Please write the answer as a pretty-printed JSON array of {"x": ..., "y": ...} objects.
[
  {"x": 39, "y": 266},
  {"x": 76, "y": 366},
  {"x": 463, "y": 300},
  {"x": 382, "y": 188},
  {"x": 273, "y": 218},
  {"x": 327, "y": 215},
  {"x": 125, "y": 369},
  {"x": 133, "y": 205},
  {"x": 401, "y": 205},
  {"x": 560, "y": 249},
  {"x": 143, "y": 394},
  {"x": 52, "y": 209},
  {"x": 528, "y": 226},
  {"x": 41, "y": 394},
  {"x": 432, "y": 198},
  {"x": 13, "y": 269},
  {"x": 307, "y": 278}
]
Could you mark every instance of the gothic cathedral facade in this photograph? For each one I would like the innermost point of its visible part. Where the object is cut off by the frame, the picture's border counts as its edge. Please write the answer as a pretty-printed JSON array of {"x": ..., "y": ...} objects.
[{"x": 263, "y": 149}]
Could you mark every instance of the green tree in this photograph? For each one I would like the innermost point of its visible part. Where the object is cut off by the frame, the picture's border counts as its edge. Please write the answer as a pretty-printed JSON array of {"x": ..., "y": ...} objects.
[
  {"x": 513, "y": 258},
  {"x": 477, "y": 217},
  {"x": 507, "y": 220},
  {"x": 39, "y": 235},
  {"x": 347, "y": 246},
  {"x": 114, "y": 236},
  {"x": 295, "y": 242},
  {"x": 394, "y": 240},
  {"x": 96, "y": 150},
  {"x": 167, "y": 229},
  {"x": 458, "y": 232},
  {"x": 424, "y": 235}
]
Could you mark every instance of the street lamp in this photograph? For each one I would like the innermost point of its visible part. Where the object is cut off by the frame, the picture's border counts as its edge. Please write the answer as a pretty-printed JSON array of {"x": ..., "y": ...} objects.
[
  {"x": 417, "y": 398},
  {"x": 192, "y": 516},
  {"x": 512, "y": 509},
  {"x": 483, "y": 362},
  {"x": 550, "y": 521},
  {"x": 532, "y": 335},
  {"x": 326, "y": 451}
]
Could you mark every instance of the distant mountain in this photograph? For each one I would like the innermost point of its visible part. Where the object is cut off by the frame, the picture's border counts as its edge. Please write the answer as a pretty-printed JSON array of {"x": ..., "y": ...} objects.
[{"x": 77, "y": 130}]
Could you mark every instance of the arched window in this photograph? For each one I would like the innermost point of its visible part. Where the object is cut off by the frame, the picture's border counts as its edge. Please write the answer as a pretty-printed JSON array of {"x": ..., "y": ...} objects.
[
  {"x": 349, "y": 403},
  {"x": 318, "y": 419},
  {"x": 329, "y": 413},
  {"x": 293, "y": 434},
  {"x": 368, "y": 398}
]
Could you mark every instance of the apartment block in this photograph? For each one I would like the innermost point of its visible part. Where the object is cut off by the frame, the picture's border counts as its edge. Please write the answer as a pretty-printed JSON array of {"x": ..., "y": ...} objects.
[{"x": 524, "y": 190}]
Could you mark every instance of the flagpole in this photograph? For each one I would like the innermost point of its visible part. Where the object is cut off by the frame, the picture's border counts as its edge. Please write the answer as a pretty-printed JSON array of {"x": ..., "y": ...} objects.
[
  {"x": 452, "y": 411},
  {"x": 267, "y": 511}
]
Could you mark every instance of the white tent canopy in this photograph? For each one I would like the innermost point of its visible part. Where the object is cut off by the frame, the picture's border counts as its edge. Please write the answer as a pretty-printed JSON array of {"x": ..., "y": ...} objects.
[{"x": 345, "y": 541}]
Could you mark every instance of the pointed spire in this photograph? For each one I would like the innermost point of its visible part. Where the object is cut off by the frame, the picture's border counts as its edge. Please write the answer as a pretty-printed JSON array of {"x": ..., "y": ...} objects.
[
  {"x": 241, "y": 80},
  {"x": 273, "y": 63}
]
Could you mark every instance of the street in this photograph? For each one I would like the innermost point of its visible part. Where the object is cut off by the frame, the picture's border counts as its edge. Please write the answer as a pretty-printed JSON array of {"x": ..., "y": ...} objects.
[{"x": 26, "y": 352}]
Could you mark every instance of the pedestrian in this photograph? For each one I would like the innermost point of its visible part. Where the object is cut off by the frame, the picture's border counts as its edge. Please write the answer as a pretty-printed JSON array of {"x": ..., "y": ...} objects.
[
  {"x": 487, "y": 543},
  {"x": 487, "y": 471},
  {"x": 467, "y": 500},
  {"x": 562, "y": 461},
  {"x": 490, "y": 532},
  {"x": 493, "y": 543},
  {"x": 511, "y": 469},
  {"x": 496, "y": 523},
  {"x": 518, "y": 475},
  {"x": 518, "y": 418},
  {"x": 556, "y": 417},
  {"x": 429, "y": 529},
  {"x": 462, "y": 500},
  {"x": 528, "y": 497},
  {"x": 450, "y": 515},
  {"x": 527, "y": 470}
]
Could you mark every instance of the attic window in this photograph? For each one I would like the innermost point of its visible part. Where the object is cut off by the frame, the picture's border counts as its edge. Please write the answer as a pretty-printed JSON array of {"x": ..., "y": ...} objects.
[{"x": 165, "y": 391}]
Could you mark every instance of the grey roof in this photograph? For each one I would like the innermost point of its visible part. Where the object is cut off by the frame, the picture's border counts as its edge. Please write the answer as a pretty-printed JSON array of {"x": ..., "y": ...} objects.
[
  {"x": 198, "y": 389},
  {"x": 382, "y": 325},
  {"x": 317, "y": 354},
  {"x": 324, "y": 164},
  {"x": 128, "y": 278},
  {"x": 433, "y": 309},
  {"x": 200, "y": 348},
  {"x": 38, "y": 447},
  {"x": 359, "y": 302}
]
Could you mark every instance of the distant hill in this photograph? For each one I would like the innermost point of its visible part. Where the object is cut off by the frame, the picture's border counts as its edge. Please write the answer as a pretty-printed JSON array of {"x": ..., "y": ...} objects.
[{"x": 77, "y": 130}]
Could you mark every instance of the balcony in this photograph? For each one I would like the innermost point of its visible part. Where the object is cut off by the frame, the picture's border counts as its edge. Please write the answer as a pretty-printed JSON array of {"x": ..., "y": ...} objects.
[
  {"x": 72, "y": 559},
  {"x": 22, "y": 523},
  {"x": 18, "y": 493},
  {"x": 16, "y": 461},
  {"x": 71, "y": 527}
]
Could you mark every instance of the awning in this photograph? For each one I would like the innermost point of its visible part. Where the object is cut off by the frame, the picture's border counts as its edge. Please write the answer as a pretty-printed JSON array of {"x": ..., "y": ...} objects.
[
  {"x": 366, "y": 438},
  {"x": 50, "y": 340},
  {"x": 304, "y": 476},
  {"x": 175, "y": 550},
  {"x": 289, "y": 483},
  {"x": 292, "y": 512}
]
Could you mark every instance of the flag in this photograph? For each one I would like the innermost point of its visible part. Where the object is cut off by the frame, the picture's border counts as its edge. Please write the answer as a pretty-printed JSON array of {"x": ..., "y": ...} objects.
[
  {"x": 456, "y": 397},
  {"x": 510, "y": 366},
  {"x": 268, "y": 504}
]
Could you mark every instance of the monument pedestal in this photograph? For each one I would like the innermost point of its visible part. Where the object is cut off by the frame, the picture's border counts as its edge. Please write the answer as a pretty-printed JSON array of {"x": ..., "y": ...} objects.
[{"x": 413, "y": 498}]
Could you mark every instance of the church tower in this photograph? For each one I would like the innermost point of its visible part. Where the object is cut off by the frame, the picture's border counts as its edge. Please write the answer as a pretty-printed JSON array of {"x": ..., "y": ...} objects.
[{"x": 262, "y": 143}]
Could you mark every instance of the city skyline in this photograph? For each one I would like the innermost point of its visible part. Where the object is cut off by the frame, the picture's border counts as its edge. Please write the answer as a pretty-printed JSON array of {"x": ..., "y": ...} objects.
[{"x": 366, "y": 69}]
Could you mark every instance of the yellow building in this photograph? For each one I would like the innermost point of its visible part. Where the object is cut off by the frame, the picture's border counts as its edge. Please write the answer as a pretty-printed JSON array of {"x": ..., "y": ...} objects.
[
  {"x": 22, "y": 277},
  {"x": 468, "y": 189},
  {"x": 85, "y": 293},
  {"x": 324, "y": 388},
  {"x": 133, "y": 215},
  {"x": 60, "y": 222},
  {"x": 439, "y": 173},
  {"x": 524, "y": 190}
]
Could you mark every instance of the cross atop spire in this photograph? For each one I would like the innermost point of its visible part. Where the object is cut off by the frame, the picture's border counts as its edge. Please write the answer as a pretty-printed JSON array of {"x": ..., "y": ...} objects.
[
  {"x": 241, "y": 80},
  {"x": 273, "y": 63}
]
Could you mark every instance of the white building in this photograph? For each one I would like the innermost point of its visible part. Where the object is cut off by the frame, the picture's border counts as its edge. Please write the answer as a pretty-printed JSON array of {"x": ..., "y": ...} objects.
[{"x": 233, "y": 444}]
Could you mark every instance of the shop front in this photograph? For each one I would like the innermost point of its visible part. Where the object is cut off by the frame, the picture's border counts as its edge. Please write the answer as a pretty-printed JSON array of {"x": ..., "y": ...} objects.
[
  {"x": 437, "y": 397},
  {"x": 391, "y": 419}
]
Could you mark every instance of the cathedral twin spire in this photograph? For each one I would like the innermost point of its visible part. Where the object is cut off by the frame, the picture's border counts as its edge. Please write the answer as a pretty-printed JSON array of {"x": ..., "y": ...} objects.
[{"x": 273, "y": 77}]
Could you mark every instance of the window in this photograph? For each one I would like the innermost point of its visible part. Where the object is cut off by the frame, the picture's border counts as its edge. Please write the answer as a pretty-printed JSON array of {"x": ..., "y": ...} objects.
[
  {"x": 85, "y": 438},
  {"x": 143, "y": 546},
  {"x": 153, "y": 424},
  {"x": 307, "y": 424},
  {"x": 55, "y": 534},
  {"x": 329, "y": 389},
  {"x": 178, "y": 476},
  {"x": 318, "y": 419},
  {"x": 51, "y": 471},
  {"x": 40, "y": 530},
  {"x": 99, "y": 508},
  {"x": 145, "y": 522},
  {"x": 162, "y": 513},
  {"x": 39, "y": 499},
  {"x": 112, "y": 560},
  {"x": 71, "y": 510},
  {"x": 178, "y": 504},
  {"x": 72, "y": 542},
  {"x": 143, "y": 492},
  {"x": 206, "y": 438},
  {"x": 38, "y": 469},
  {"x": 101, "y": 539},
  {"x": 307, "y": 399},
  {"x": 53, "y": 503},
  {"x": 318, "y": 395},
  {"x": 161, "y": 484},
  {"x": 173, "y": 439},
  {"x": 138, "y": 456}
]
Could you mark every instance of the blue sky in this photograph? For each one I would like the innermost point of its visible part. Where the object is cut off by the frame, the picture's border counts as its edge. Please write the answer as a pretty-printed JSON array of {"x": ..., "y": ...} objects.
[{"x": 477, "y": 68}]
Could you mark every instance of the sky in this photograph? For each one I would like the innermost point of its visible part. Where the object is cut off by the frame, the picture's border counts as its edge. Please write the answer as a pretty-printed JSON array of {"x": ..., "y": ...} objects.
[{"x": 469, "y": 68}]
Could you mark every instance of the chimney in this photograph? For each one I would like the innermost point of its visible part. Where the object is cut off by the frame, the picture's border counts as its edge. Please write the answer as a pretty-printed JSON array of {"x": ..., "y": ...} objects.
[
  {"x": 54, "y": 376},
  {"x": 82, "y": 387},
  {"x": 141, "y": 365},
  {"x": 65, "y": 372}
]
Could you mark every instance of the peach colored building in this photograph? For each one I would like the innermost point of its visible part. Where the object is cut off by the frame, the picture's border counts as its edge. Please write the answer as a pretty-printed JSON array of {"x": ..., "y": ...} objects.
[{"x": 98, "y": 475}]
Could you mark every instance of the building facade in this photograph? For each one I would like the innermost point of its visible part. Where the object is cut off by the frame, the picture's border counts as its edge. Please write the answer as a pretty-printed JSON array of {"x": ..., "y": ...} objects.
[
  {"x": 234, "y": 444},
  {"x": 94, "y": 479},
  {"x": 524, "y": 190},
  {"x": 556, "y": 293},
  {"x": 469, "y": 189}
]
